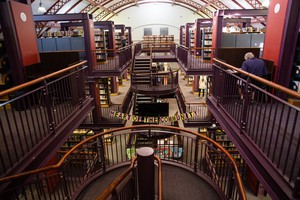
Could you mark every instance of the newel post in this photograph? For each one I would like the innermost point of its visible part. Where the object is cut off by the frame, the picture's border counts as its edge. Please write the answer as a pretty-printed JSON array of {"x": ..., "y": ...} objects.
[{"x": 146, "y": 171}]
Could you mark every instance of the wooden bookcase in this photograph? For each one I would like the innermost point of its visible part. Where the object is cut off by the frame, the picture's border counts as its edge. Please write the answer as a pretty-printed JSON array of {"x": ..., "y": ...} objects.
[
  {"x": 100, "y": 42},
  {"x": 104, "y": 91},
  {"x": 5, "y": 76},
  {"x": 206, "y": 43},
  {"x": 157, "y": 41},
  {"x": 222, "y": 138},
  {"x": 76, "y": 137}
]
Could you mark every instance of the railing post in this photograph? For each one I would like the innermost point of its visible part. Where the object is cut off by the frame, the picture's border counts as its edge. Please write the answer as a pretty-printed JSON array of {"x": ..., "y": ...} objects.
[
  {"x": 296, "y": 192},
  {"x": 196, "y": 154},
  {"x": 246, "y": 92},
  {"x": 102, "y": 153},
  {"x": 65, "y": 186},
  {"x": 48, "y": 107},
  {"x": 145, "y": 167},
  {"x": 81, "y": 83},
  {"x": 220, "y": 91}
]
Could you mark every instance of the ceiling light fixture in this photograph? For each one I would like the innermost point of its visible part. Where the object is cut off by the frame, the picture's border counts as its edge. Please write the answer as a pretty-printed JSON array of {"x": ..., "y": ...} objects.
[{"x": 41, "y": 8}]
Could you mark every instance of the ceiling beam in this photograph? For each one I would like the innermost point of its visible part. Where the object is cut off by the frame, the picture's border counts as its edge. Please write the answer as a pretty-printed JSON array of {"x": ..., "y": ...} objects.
[{"x": 244, "y": 12}]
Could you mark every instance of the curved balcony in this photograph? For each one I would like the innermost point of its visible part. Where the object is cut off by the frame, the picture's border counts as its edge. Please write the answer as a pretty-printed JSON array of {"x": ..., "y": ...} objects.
[
  {"x": 154, "y": 83},
  {"x": 106, "y": 151}
]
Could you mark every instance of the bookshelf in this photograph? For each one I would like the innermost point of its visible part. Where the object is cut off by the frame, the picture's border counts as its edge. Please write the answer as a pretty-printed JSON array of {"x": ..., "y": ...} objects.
[
  {"x": 192, "y": 38},
  {"x": 104, "y": 91},
  {"x": 158, "y": 41},
  {"x": 222, "y": 138},
  {"x": 206, "y": 43},
  {"x": 76, "y": 137},
  {"x": 100, "y": 43},
  {"x": 5, "y": 76}
]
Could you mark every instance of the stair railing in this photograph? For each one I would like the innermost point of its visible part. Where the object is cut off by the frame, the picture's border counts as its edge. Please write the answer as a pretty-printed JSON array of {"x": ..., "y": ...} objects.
[
  {"x": 104, "y": 151},
  {"x": 268, "y": 124},
  {"x": 34, "y": 113},
  {"x": 120, "y": 186}
]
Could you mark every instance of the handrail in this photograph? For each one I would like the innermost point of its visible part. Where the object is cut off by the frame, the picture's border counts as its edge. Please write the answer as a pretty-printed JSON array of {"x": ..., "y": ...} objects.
[
  {"x": 38, "y": 80},
  {"x": 262, "y": 80},
  {"x": 157, "y": 73},
  {"x": 108, "y": 190},
  {"x": 159, "y": 177},
  {"x": 175, "y": 129}
]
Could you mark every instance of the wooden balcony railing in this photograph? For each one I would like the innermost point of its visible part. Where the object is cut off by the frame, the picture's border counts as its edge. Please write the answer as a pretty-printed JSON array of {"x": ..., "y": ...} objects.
[
  {"x": 34, "y": 111},
  {"x": 270, "y": 123},
  {"x": 113, "y": 59},
  {"x": 104, "y": 151}
]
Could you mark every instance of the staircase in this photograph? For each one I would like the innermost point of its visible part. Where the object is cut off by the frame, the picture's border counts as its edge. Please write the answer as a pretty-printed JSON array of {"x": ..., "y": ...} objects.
[
  {"x": 140, "y": 98},
  {"x": 141, "y": 66}
]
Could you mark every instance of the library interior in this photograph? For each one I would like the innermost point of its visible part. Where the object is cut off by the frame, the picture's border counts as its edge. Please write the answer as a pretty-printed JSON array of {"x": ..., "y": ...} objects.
[{"x": 150, "y": 99}]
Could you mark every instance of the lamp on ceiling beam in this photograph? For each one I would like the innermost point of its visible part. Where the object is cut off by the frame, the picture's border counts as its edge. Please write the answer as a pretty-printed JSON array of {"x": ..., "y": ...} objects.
[{"x": 41, "y": 8}]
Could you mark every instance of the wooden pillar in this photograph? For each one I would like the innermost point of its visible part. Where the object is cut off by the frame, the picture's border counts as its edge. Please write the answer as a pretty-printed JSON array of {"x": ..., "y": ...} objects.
[
  {"x": 19, "y": 36},
  {"x": 146, "y": 172},
  {"x": 216, "y": 34},
  {"x": 128, "y": 30},
  {"x": 281, "y": 36},
  {"x": 197, "y": 37},
  {"x": 181, "y": 35}
]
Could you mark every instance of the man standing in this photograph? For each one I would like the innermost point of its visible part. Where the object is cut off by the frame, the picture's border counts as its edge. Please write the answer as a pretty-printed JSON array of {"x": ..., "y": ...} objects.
[{"x": 254, "y": 66}]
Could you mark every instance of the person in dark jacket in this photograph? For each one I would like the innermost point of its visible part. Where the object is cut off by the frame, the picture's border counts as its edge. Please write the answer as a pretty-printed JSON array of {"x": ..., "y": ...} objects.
[{"x": 254, "y": 66}]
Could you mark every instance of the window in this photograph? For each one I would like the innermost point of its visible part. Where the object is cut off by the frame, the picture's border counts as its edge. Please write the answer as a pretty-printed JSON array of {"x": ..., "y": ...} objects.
[
  {"x": 147, "y": 31},
  {"x": 164, "y": 31}
]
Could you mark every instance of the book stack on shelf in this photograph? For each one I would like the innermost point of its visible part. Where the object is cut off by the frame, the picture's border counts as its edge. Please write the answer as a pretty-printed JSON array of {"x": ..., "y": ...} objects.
[
  {"x": 100, "y": 43},
  {"x": 104, "y": 91},
  {"x": 206, "y": 43},
  {"x": 222, "y": 138},
  {"x": 76, "y": 137},
  {"x": 157, "y": 41},
  {"x": 118, "y": 39},
  {"x": 192, "y": 38}
]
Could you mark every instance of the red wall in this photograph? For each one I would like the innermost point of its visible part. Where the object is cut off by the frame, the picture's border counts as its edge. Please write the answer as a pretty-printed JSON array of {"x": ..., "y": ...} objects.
[
  {"x": 274, "y": 32},
  {"x": 25, "y": 30}
]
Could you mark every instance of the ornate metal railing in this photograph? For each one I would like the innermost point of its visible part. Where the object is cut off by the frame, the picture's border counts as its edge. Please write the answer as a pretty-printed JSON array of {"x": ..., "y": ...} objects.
[
  {"x": 104, "y": 151},
  {"x": 189, "y": 61},
  {"x": 269, "y": 122},
  {"x": 113, "y": 59},
  {"x": 35, "y": 110}
]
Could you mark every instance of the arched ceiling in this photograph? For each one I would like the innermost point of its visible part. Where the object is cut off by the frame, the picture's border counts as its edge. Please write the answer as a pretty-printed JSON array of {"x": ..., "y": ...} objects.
[{"x": 105, "y": 9}]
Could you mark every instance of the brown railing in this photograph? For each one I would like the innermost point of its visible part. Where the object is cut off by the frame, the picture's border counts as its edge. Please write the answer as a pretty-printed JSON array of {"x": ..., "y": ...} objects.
[
  {"x": 113, "y": 59},
  {"x": 112, "y": 192},
  {"x": 35, "y": 110},
  {"x": 203, "y": 113},
  {"x": 101, "y": 152},
  {"x": 270, "y": 123},
  {"x": 126, "y": 184},
  {"x": 190, "y": 61}
]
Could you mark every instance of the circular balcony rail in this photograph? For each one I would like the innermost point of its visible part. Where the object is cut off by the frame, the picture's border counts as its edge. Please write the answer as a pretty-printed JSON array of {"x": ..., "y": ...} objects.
[{"x": 105, "y": 151}]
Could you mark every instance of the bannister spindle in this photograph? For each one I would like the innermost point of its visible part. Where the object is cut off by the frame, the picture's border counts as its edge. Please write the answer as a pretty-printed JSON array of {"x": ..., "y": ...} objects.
[
  {"x": 196, "y": 154},
  {"x": 48, "y": 107}
]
